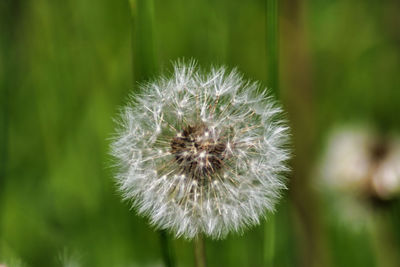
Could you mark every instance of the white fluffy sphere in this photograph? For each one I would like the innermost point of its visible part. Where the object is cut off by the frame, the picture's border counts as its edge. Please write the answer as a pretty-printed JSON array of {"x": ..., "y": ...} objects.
[{"x": 201, "y": 152}]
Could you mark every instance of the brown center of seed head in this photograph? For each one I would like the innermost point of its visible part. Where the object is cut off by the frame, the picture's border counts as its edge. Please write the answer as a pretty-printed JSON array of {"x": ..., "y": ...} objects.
[
  {"x": 379, "y": 150},
  {"x": 198, "y": 153}
]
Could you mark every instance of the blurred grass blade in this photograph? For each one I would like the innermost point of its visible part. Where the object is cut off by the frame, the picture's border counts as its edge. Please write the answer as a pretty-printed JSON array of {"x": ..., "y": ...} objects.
[
  {"x": 166, "y": 249},
  {"x": 269, "y": 241},
  {"x": 144, "y": 63},
  {"x": 9, "y": 15},
  {"x": 272, "y": 28},
  {"x": 272, "y": 82},
  {"x": 143, "y": 46}
]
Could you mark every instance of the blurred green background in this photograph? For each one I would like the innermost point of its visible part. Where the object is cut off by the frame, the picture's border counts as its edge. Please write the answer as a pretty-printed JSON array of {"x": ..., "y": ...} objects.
[{"x": 67, "y": 66}]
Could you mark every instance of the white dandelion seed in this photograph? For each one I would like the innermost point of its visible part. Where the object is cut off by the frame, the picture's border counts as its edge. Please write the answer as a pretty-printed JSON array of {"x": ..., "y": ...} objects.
[{"x": 201, "y": 153}]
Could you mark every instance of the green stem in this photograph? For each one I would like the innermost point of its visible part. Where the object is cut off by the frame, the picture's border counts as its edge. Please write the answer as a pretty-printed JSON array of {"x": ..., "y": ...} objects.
[{"x": 199, "y": 251}]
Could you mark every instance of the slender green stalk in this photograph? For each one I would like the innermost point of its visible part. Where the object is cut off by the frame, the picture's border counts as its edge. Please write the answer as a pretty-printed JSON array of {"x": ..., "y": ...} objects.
[
  {"x": 296, "y": 89},
  {"x": 199, "y": 251},
  {"x": 272, "y": 44},
  {"x": 144, "y": 64},
  {"x": 272, "y": 35},
  {"x": 3, "y": 149},
  {"x": 144, "y": 58},
  {"x": 9, "y": 14},
  {"x": 166, "y": 249},
  {"x": 269, "y": 241}
]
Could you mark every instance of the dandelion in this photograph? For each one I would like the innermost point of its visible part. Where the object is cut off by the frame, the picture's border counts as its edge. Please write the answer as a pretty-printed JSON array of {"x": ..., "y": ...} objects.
[
  {"x": 201, "y": 153},
  {"x": 386, "y": 176},
  {"x": 361, "y": 161},
  {"x": 363, "y": 167},
  {"x": 347, "y": 159}
]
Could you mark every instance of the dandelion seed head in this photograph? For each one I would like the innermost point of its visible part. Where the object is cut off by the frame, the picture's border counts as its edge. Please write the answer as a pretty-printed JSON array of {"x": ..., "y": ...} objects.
[
  {"x": 360, "y": 160},
  {"x": 201, "y": 152},
  {"x": 360, "y": 170}
]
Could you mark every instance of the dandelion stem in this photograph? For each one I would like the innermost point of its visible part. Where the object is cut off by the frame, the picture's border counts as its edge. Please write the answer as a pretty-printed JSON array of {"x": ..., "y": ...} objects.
[
  {"x": 166, "y": 249},
  {"x": 199, "y": 251}
]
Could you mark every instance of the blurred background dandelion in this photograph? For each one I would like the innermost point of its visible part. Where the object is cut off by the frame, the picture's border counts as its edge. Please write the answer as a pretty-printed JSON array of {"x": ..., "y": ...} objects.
[{"x": 67, "y": 66}]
